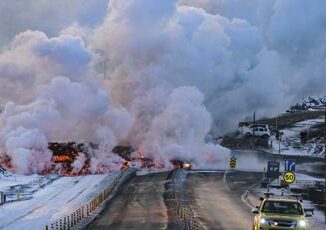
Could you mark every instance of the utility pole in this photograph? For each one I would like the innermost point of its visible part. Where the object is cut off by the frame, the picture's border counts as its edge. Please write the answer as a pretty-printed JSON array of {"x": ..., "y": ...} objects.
[
  {"x": 104, "y": 70},
  {"x": 278, "y": 135},
  {"x": 254, "y": 122},
  {"x": 105, "y": 67}
]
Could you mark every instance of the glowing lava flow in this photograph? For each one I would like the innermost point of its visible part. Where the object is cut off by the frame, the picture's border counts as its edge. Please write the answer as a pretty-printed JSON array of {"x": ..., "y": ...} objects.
[{"x": 66, "y": 156}]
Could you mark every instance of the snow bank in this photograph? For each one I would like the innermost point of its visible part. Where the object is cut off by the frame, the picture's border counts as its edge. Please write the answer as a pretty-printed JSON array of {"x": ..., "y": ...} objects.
[{"x": 56, "y": 200}]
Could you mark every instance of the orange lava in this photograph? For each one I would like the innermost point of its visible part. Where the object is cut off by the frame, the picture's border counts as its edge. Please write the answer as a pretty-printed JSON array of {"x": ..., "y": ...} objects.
[{"x": 62, "y": 158}]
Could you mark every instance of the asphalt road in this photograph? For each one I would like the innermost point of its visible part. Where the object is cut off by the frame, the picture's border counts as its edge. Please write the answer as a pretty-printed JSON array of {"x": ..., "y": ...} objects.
[
  {"x": 138, "y": 205},
  {"x": 213, "y": 203},
  {"x": 217, "y": 203}
]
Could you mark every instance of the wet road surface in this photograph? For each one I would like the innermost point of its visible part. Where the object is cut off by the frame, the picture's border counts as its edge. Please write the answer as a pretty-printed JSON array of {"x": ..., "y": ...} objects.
[
  {"x": 213, "y": 203},
  {"x": 138, "y": 205}
]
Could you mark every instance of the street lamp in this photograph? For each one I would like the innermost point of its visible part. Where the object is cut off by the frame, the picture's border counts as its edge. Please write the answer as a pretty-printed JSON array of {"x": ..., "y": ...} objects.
[{"x": 280, "y": 134}]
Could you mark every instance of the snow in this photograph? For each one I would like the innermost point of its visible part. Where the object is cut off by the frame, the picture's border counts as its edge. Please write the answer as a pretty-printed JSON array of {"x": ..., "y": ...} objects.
[
  {"x": 13, "y": 180},
  {"x": 301, "y": 176},
  {"x": 291, "y": 142},
  {"x": 310, "y": 103},
  {"x": 57, "y": 199},
  {"x": 25, "y": 186}
]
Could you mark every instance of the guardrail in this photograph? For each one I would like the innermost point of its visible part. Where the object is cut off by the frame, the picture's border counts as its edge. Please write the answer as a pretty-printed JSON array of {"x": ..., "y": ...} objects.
[
  {"x": 184, "y": 213},
  {"x": 84, "y": 212},
  {"x": 22, "y": 192}
]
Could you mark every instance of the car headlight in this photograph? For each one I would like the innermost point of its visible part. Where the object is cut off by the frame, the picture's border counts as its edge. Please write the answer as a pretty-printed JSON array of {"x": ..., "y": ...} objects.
[
  {"x": 302, "y": 223},
  {"x": 263, "y": 221}
]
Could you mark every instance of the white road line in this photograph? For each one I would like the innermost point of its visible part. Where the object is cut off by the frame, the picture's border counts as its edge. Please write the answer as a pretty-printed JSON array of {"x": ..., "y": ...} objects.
[
  {"x": 244, "y": 200},
  {"x": 245, "y": 194}
]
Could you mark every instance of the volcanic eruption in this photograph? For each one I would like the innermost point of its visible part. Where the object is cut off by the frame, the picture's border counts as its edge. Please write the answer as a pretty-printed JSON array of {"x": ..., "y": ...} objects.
[{"x": 155, "y": 77}]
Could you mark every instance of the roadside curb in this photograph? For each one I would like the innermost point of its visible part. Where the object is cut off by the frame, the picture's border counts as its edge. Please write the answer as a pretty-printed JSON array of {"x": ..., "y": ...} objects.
[{"x": 123, "y": 177}]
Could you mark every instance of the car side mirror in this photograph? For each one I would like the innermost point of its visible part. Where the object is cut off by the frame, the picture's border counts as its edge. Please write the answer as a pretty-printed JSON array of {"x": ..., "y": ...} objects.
[
  {"x": 308, "y": 215},
  {"x": 311, "y": 210},
  {"x": 261, "y": 198},
  {"x": 255, "y": 211}
]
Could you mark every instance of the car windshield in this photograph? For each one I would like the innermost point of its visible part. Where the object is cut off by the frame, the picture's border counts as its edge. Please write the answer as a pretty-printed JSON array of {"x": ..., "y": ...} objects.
[{"x": 281, "y": 207}]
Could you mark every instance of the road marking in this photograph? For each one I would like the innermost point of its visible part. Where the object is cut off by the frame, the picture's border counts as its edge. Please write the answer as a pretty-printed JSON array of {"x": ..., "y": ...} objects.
[
  {"x": 224, "y": 180},
  {"x": 246, "y": 192},
  {"x": 244, "y": 201}
]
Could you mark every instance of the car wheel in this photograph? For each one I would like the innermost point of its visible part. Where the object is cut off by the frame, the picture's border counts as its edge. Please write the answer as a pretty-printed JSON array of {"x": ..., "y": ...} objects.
[{"x": 247, "y": 134}]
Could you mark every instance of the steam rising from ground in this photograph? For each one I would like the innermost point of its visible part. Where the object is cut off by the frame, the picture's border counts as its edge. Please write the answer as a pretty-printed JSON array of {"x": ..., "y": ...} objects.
[
  {"x": 65, "y": 102},
  {"x": 174, "y": 70}
]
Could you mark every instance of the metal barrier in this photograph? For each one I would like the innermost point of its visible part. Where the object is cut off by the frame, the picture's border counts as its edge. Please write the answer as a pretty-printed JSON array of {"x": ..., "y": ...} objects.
[
  {"x": 185, "y": 214},
  {"x": 85, "y": 211}
]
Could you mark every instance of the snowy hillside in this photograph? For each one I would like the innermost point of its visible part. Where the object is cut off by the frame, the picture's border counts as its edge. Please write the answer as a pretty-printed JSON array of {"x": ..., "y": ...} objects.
[
  {"x": 309, "y": 103},
  {"x": 292, "y": 144}
]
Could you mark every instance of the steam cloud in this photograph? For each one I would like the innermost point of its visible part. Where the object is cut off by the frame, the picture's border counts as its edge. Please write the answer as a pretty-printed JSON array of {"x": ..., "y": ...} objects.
[{"x": 175, "y": 70}]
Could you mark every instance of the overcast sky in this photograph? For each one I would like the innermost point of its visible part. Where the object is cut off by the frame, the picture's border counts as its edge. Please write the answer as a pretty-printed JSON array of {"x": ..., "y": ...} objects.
[{"x": 47, "y": 15}]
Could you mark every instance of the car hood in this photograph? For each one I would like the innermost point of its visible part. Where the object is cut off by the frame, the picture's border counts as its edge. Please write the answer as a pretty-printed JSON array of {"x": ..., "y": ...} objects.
[{"x": 282, "y": 217}]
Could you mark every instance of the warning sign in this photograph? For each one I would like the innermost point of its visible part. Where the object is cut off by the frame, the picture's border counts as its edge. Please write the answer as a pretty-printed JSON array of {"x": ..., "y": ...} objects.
[
  {"x": 233, "y": 159},
  {"x": 233, "y": 162},
  {"x": 289, "y": 177}
]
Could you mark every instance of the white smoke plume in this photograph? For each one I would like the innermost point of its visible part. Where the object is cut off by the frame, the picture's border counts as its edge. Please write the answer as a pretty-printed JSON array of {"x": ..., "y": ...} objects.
[
  {"x": 262, "y": 58},
  {"x": 174, "y": 71},
  {"x": 62, "y": 101}
]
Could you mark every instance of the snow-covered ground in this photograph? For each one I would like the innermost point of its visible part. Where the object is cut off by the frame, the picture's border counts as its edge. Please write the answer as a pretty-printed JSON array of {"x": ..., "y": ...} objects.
[
  {"x": 305, "y": 177},
  {"x": 55, "y": 200},
  {"x": 291, "y": 142},
  {"x": 310, "y": 103},
  {"x": 13, "y": 180},
  {"x": 21, "y": 187}
]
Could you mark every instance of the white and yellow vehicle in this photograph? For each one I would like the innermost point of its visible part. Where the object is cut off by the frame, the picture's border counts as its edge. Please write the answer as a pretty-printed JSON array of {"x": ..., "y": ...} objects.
[{"x": 280, "y": 213}]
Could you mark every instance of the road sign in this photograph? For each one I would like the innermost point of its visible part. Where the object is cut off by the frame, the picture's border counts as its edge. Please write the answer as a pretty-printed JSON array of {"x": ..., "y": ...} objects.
[
  {"x": 233, "y": 159},
  {"x": 233, "y": 162},
  {"x": 273, "y": 169},
  {"x": 2, "y": 170},
  {"x": 289, "y": 177},
  {"x": 289, "y": 165}
]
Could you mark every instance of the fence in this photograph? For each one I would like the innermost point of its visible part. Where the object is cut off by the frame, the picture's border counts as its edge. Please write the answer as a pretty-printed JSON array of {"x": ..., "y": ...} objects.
[
  {"x": 184, "y": 213},
  {"x": 85, "y": 211}
]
